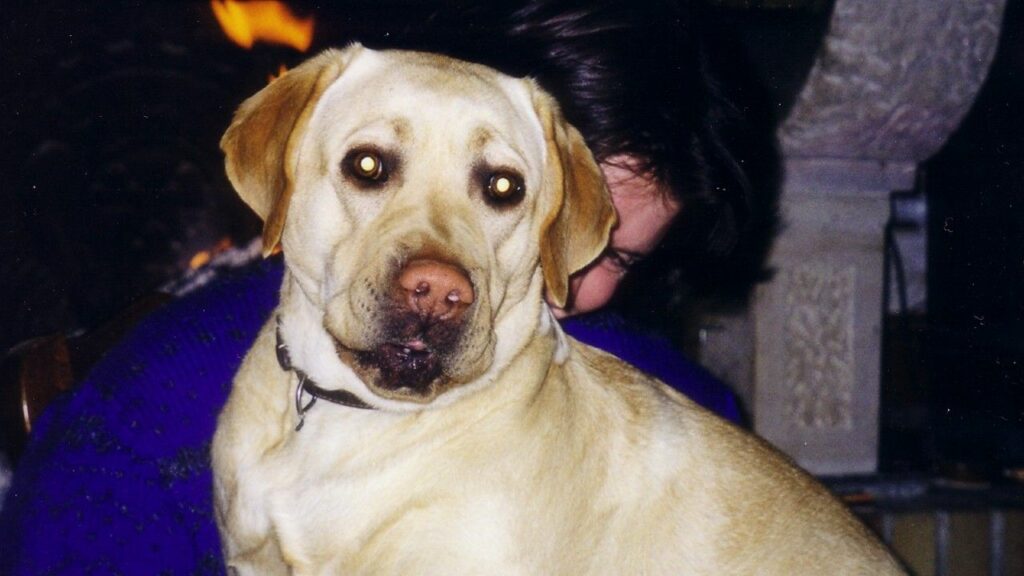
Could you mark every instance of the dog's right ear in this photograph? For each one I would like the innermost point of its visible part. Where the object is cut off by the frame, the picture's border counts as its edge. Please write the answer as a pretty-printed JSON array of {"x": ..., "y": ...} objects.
[
  {"x": 261, "y": 146},
  {"x": 581, "y": 215}
]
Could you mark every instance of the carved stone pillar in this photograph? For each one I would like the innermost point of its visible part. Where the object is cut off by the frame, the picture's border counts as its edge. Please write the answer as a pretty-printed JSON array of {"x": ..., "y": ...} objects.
[
  {"x": 891, "y": 82},
  {"x": 817, "y": 325}
]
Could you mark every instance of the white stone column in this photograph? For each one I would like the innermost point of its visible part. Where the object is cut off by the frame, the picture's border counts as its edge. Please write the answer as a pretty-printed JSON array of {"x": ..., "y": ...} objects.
[
  {"x": 817, "y": 325},
  {"x": 890, "y": 84}
]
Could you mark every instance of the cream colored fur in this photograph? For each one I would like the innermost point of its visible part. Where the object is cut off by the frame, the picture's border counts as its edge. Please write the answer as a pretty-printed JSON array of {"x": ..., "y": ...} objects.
[{"x": 537, "y": 454}]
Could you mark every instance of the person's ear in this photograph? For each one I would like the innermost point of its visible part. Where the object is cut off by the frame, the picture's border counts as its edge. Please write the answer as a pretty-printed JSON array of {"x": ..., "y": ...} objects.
[
  {"x": 581, "y": 215},
  {"x": 261, "y": 146}
]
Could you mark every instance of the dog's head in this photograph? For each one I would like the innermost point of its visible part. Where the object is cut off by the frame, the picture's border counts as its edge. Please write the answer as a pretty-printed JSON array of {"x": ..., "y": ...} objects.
[{"x": 421, "y": 203}]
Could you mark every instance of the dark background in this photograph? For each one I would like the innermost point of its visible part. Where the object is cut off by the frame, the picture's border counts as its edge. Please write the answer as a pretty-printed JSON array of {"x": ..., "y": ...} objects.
[{"x": 974, "y": 361}]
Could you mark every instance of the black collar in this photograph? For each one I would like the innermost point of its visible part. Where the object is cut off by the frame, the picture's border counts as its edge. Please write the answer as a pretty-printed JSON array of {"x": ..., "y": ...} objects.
[{"x": 307, "y": 386}]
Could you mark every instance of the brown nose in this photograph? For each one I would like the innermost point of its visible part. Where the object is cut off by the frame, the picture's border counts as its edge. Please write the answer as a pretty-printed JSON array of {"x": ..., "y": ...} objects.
[{"x": 435, "y": 289}]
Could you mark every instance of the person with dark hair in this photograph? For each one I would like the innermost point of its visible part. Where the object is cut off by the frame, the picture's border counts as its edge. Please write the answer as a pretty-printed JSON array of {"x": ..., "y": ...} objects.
[{"x": 116, "y": 477}]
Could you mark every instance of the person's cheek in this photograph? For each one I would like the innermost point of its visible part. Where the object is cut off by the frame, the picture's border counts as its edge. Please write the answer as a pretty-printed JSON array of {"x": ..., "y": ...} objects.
[{"x": 594, "y": 289}]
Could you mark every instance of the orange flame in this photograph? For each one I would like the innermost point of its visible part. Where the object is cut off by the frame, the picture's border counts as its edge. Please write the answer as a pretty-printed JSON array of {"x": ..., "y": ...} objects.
[
  {"x": 203, "y": 257},
  {"x": 246, "y": 23}
]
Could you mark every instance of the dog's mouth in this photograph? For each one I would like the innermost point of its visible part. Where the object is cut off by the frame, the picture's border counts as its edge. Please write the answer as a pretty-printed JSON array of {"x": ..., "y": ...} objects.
[
  {"x": 399, "y": 366},
  {"x": 409, "y": 364}
]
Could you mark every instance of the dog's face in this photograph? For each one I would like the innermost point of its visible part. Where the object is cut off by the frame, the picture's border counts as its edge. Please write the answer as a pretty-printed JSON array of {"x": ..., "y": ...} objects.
[{"x": 415, "y": 197}]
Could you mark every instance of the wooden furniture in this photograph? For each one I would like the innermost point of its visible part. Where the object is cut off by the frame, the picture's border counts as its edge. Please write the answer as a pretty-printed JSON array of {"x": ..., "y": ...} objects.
[{"x": 35, "y": 372}]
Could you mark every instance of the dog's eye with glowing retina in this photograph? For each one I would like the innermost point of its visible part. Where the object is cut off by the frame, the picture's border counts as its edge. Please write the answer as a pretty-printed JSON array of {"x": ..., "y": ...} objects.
[
  {"x": 504, "y": 188},
  {"x": 366, "y": 165}
]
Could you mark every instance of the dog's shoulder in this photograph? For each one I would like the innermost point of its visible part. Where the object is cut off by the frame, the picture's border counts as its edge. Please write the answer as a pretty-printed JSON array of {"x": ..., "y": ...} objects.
[
  {"x": 606, "y": 377},
  {"x": 690, "y": 466},
  {"x": 653, "y": 431},
  {"x": 243, "y": 426}
]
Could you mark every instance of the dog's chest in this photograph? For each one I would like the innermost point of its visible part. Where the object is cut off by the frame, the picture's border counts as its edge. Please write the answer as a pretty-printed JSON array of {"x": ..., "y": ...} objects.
[
  {"x": 421, "y": 534},
  {"x": 339, "y": 500}
]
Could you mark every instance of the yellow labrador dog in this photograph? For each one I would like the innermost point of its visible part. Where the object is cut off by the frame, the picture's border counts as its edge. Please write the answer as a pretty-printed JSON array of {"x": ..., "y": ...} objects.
[{"x": 413, "y": 408}]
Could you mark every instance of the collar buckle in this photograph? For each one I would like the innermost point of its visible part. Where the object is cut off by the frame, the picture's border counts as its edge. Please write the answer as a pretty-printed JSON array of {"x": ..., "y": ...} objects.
[{"x": 307, "y": 386}]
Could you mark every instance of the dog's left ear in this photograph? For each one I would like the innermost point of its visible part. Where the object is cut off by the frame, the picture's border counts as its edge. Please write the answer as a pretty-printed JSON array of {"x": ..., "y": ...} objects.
[
  {"x": 261, "y": 146},
  {"x": 576, "y": 229}
]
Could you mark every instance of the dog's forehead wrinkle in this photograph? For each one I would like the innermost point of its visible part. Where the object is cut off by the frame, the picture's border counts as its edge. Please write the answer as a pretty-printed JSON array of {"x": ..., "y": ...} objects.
[
  {"x": 494, "y": 149},
  {"x": 481, "y": 136},
  {"x": 378, "y": 128},
  {"x": 399, "y": 95},
  {"x": 445, "y": 74},
  {"x": 400, "y": 127},
  {"x": 396, "y": 82}
]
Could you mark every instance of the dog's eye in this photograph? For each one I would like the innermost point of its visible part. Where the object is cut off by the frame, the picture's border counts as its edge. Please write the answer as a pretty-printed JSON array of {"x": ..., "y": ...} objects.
[
  {"x": 366, "y": 165},
  {"x": 504, "y": 188}
]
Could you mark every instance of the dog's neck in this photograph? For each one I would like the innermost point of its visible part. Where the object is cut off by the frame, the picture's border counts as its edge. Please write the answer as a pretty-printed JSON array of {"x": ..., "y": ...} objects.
[
  {"x": 307, "y": 387},
  {"x": 549, "y": 325}
]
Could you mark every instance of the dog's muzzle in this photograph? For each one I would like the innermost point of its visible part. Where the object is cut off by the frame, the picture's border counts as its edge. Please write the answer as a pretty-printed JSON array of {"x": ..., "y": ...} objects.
[{"x": 421, "y": 326}]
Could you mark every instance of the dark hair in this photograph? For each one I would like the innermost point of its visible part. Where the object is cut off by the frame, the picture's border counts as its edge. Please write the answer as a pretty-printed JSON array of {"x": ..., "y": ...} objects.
[{"x": 633, "y": 77}]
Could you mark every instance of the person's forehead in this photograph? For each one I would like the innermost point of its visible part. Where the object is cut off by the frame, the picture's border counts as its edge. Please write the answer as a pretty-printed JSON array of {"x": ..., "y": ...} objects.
[
  {"x": 645, "y": 209},
  {"x": 634, "y": 193}
]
